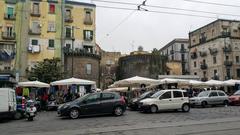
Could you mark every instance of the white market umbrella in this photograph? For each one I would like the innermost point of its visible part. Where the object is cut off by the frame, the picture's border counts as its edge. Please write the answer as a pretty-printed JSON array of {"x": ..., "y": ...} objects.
[
  {"x": 72, "y": 81},
  {"x": 133, "y": 81},
  {"x": 214, "y": 83},
  {"x": 231, "y": 82},
  {"x": 33, "y": 84},
  {"x": 169, "y": 80},
  {"x": 119, "y": 89}
]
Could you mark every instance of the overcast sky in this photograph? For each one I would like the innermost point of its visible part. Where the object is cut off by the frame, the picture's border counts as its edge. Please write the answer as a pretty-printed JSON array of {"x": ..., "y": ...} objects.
[{"x": 153, "y": 30}]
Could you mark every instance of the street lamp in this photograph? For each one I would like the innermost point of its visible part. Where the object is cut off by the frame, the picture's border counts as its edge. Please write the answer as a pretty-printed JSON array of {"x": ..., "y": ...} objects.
[{"x": 73, "y": 39}]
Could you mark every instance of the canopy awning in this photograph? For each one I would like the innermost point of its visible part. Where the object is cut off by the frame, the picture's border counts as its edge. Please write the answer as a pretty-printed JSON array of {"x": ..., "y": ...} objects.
[
  {"x": 72, "y": 81},
  {"x": 33, "y": 84},
  {"x": 133, "y": 81}
]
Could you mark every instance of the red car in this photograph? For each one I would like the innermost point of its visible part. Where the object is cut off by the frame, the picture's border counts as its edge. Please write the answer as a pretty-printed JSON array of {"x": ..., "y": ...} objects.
[{"x": 235, "y": 98}]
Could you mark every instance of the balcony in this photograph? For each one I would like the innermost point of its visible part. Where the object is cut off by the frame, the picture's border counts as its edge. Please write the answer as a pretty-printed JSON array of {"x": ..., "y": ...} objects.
[
  {"x": 226, "y": 34},
  {"x": 183, "y": 50},
  {"x": 34, "y": 32},
  {"x": 9, "y": 16},
  {"x": 80, "y": 52},
  {"x": 228, "y": 63},
  {"x": 34, "y": 48},
  {"x": 11, "y": 1},
  {"x": 204, "y": 79},
  {"x": 213, "y": 51},
  {"x": 203, "y": 54},
  {"x": 8, "y": 36},
  {"x": 203, "y": 66},
  {"x": 68, "y": 19},
  {"x": 193, "y": 55},
  {"x": 35, "y": 14},
  {"x": 202, "y": 40},
  {"x": 227, "y": 49}
]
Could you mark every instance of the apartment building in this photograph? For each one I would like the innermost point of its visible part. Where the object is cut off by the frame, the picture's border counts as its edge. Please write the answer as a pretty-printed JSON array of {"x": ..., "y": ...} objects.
[
  {"x": 177, "y": 51},
  {"x": 215, "y": 50},
  {"x": 34, "y": 30}
]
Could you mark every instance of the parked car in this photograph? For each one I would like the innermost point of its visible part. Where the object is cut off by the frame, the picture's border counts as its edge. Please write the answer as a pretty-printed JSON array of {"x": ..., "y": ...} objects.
[
  {"x": 134, "y": 103},
  {"x": 7, "y": 103},
  {"x": 172, "y": 99},
  {"x": 21, "y": 106},
  {"x": 215, "y": 97},
  {"x": 94, "y": 104},
  {"x": 235, "y": 98}
]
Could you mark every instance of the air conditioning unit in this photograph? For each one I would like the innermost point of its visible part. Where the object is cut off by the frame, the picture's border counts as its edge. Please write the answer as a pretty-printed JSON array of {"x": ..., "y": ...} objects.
[{"x": 30, "y": 48}]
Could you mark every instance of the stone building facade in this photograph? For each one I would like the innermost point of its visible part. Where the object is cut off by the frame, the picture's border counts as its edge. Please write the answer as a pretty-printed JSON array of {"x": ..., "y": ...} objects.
[
  {"x": 215, "y": 50},
  {"x": 177, "y": 52},
  {"x": 108, "y": 67},
  {"x": 141, "y": 64},
  {"x": 82, "y": 65}
]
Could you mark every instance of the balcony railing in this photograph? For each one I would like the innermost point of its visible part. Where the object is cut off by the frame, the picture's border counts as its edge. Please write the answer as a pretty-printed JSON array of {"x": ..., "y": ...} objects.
[
  {"x": 226, "y": 34},
  {"x": 227, "y": 49},
  {"x": 8, "y": 36},
  {"x": 203, "y": 66},
  {"x": 213, "y": 51},
  {"x": 11, "y": 1},
  {"x": 202, "y": 40},
  {"x": 183, "y": 50},
  {"x": 80, "y": 52},
  {"x": 35, "y": 14},
  {"x": 194, "y": 55},
  {"x": 204, "y": 79},
  {"x": 228, "y": 63},
  {"x": 34, "y": 32},
  {"x": 68, "y": 19},
  {"x": 10, "y": 16},
  {"x": 203, "y": 54}
]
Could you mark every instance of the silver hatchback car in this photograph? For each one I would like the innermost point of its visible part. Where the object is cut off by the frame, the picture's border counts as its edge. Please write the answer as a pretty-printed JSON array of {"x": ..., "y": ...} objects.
[{"x": 214, "y": 97}]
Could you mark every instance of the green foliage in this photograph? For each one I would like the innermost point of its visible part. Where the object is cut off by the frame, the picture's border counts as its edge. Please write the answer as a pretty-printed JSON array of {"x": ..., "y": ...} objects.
[{"x": 47, "y": 71}]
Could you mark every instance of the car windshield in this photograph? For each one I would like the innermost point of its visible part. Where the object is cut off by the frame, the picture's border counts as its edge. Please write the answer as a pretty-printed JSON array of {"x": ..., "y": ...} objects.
[
  {"x": 157, "y": 94},
  {"x": 145, "y": 94},
  {"x": 237, "y": 92},
  {"x": 203, "y": 94}
]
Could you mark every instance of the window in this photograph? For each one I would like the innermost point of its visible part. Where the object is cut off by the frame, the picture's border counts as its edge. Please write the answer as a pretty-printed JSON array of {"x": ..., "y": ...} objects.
[
  {"x": 213, "y": 94},
  {"x": 93, "y": 98},
  {"x": 51, "y": 43},
  {"x": 52, "y": 8},
  {"x": 68, "y": 32},
  {"x": 215, "y": 72},
  {"x": 51, "y": 26},
  {"x": 35, "y": 27},
  {"x": 166, "y": 95},
  {"x": 107, "y": 96},
  {"x": 182, "y": 46},
  {"x": 237, "y": 59},
  {"x": 34, "y": 42},
  {"x": 195, "y": 64},
  {"x": 68, "y": 13},
  {"x": 9, "y": 31},
  {"x": 182, "y": 57},
  {"x": 68, "y": 46},
  {"x": 88, "y": 69},
  {"x": 88, "y": 35},
  {"x": 214, "y": 60},
  {"x": 88, "y": 19},
  {"x": 227, "y": 57},
  {"x": 221, "y": 94},
  {"x": 238, "y": 73},
  {"x": 35, "y": 8},
  {"x": 204, "y": 73},
  {"x": 195, "y": 73},
  {"x": 10, "y": 12},
  {"x": 177, "y": 94}
]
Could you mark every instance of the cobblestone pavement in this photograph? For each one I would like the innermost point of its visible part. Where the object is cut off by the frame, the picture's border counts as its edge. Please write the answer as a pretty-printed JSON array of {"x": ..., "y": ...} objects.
[{"x": 48, "y": 121}]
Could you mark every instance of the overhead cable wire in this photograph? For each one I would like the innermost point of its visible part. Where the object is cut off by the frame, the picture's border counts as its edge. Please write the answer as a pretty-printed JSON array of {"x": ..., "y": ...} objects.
[
  {"x": 213, "y": 3},
  {"x": 154, "y": 11},
  {"x": 164, "y": 7}
]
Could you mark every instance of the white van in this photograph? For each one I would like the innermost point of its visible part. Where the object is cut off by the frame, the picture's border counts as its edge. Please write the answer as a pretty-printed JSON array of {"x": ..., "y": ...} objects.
[
  {"x": 172, "y": 99},
  {"x": 7, "y": 102}
]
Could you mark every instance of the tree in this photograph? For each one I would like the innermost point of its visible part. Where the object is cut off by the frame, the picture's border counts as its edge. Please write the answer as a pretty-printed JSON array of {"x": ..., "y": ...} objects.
[{"x": 47, "y": 71}]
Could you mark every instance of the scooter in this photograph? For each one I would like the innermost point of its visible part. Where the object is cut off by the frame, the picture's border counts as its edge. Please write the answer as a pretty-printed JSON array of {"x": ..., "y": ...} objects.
[{"x": 31, "y": 110}]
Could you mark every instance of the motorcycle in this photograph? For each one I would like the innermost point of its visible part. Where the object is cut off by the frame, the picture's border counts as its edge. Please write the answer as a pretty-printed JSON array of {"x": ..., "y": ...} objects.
[{"x": 31, "y": 110}]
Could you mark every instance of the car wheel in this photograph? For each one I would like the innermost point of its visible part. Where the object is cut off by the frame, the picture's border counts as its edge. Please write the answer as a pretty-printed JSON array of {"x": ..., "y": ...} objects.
[
  {"x": 185, "y": 107},
  {"x": 74, "y": 113},
  {"x": 204, "y": 104},
  {"x": 153, "y": 109},
  {"x": 118, "y": 111},
  {"x": 17, "y": 116},
  {"x": 225, "y": 102}
]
